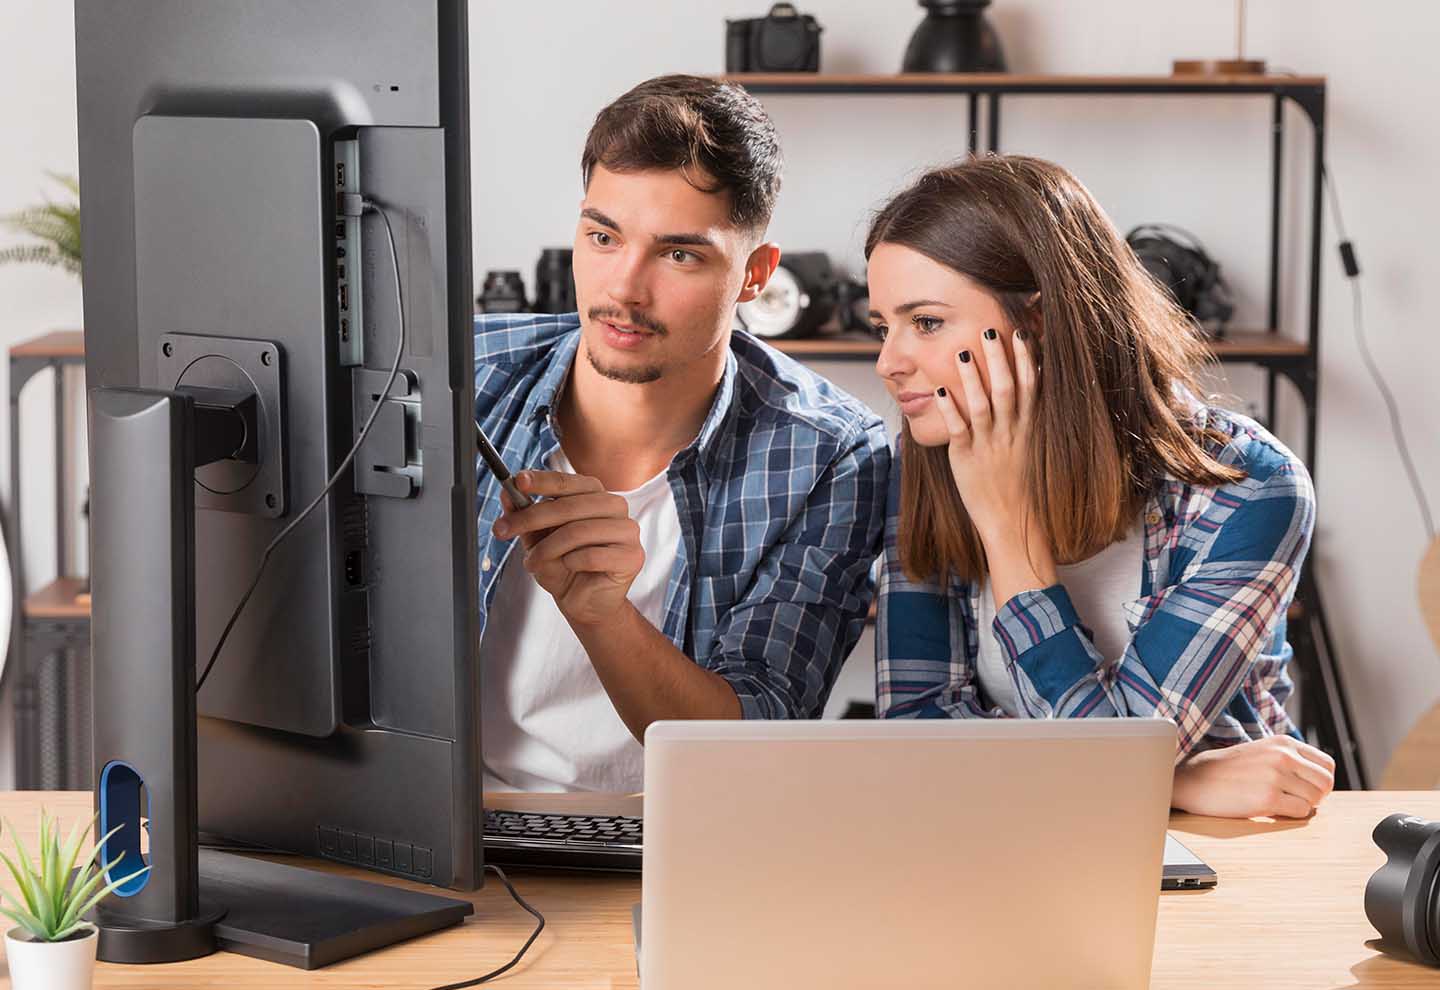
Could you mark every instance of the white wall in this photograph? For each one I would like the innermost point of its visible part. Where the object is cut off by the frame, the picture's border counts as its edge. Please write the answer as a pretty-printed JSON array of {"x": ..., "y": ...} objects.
[{"x": 541, "y": 71}]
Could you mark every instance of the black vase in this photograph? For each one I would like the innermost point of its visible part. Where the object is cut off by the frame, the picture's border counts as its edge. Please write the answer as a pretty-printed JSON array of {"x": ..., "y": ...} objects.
[{"x": 954, "y": 37}]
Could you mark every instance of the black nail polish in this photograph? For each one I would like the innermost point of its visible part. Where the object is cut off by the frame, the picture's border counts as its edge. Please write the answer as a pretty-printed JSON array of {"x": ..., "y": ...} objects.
[
  {"x": 965, "y": 357},
  {"x": 940, "y": 392},
  {"x": 991, "y": 334}
]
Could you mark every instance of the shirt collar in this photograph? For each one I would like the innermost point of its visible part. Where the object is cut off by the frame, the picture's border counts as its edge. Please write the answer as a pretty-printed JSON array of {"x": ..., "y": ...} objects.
[
  {"x": 551, "y": 385},
  {"x": 718, "y": 422}
]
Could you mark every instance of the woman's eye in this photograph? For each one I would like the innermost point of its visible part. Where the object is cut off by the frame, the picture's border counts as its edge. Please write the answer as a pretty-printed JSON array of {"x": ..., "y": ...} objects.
[
  {"x": 928, "y": 324},
  {"x": 880, "y": 330}
]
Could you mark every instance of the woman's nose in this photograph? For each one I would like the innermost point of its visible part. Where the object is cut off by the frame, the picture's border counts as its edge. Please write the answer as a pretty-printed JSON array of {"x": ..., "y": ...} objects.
[{"x": 894, "y": 358}]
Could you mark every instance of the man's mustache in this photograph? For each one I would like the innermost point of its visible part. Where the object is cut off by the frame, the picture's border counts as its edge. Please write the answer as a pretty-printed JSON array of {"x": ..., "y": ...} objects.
[{"x": 633, "y": 319}]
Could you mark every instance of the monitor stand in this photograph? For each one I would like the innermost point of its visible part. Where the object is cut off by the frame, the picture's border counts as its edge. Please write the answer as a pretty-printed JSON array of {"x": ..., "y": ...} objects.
[
  {"x": 145, "y": 447},
  {"x": 308, "y": 918}
]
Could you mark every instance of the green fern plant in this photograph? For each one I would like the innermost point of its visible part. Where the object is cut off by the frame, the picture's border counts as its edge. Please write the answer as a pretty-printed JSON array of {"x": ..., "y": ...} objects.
[
  {"x": 56, "y": 225},
  {"x": 54, "y": 896}
]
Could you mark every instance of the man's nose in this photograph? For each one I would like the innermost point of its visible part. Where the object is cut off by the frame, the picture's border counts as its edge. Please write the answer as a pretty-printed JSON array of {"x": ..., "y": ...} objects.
[{"x": 628, "y": 280}]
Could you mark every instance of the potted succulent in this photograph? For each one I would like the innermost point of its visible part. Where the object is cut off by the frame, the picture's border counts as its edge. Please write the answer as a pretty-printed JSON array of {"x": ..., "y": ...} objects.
[
  {"x": 53, "y": 946},
  {"x": 56, "y": 225}
]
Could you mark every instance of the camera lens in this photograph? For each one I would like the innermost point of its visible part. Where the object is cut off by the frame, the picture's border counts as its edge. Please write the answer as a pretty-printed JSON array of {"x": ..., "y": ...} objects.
[{"x": 1400, "y": 898}]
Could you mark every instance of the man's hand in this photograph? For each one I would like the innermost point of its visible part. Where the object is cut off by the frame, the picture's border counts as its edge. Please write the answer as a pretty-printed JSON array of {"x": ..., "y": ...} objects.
[
  {"x": 1270, "y": 777},
  {"x": 580, "y": 543}
]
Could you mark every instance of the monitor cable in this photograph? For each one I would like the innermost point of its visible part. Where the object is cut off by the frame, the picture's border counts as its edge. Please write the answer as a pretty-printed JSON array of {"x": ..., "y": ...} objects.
[
  {"x": 539, "y": 927},
  {"x": 364, "y": 206},
  {"x": 349, "y": 203}
]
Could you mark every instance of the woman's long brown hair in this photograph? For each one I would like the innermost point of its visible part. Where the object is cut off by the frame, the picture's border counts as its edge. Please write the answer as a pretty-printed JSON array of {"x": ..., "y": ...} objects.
[{"x": 1117, "y": 359}]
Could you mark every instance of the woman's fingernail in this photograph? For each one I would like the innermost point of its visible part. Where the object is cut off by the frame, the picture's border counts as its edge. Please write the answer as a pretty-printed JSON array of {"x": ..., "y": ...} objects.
[
  {"x": 991, "y": 334},
  {"x": 940, "y": 391},
  {"x": 965, "y": 357}
]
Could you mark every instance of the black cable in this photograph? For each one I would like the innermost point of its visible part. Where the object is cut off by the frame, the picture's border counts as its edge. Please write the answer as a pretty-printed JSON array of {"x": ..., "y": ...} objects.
[
  {"x": 539, "y": 927},
  {"x": 1397, "y": 429},
  {"x": 368, "y": 207}
]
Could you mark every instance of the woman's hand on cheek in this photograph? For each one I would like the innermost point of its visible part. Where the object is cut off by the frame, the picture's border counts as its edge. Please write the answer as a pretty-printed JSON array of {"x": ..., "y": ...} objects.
[{"x": 988, "y": 456}]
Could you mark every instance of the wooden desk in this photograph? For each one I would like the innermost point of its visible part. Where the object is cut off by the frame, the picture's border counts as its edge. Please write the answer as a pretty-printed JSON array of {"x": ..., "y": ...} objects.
[{"x": 1288, "y": 914}]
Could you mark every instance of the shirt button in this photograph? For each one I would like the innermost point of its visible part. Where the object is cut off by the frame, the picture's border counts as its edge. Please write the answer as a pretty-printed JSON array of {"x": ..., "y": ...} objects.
[
  {"x": 485, "y": 564},
  {"x": 1153, "y": 519}
]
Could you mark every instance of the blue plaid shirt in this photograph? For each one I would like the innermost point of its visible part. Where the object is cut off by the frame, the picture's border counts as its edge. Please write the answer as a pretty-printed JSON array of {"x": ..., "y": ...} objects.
[
  {"x": 1208, "y": 646},
  {"x": 780, "y": 499}
]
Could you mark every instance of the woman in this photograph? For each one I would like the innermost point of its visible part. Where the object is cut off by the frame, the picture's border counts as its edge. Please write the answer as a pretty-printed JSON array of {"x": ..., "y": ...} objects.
[{"x": 1071, "y": 531}]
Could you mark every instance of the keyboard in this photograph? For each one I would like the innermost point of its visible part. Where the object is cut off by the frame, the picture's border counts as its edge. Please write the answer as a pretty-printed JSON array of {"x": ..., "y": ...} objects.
[{"x": 569, "y": 842}]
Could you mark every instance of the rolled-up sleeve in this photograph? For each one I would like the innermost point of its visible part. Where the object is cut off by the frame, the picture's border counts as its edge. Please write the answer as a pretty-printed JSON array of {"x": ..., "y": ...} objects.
[{"x": 1198, "y": 640}]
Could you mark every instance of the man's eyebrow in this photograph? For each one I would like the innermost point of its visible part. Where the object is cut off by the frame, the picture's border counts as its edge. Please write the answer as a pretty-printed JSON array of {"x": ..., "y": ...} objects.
[
  {"x": 910, "y": 307},
  {"x": 682, "y": 240},
  {"x": 685, "y": 240},
  {"x": 590, "y": 213}
]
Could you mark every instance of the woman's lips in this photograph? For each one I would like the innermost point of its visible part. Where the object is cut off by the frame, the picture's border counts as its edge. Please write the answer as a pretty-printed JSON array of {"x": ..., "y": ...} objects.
[{"x": 914, "y": 403}]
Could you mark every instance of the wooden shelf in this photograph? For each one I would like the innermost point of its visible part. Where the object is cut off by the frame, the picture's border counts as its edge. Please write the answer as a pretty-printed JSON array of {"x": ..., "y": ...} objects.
[
  {"x": 1003, "y": 82},
  {"x": 62, "y": 598},
  {"x": 59, "y": 344},
  {"x": 1237, "y": 345}
]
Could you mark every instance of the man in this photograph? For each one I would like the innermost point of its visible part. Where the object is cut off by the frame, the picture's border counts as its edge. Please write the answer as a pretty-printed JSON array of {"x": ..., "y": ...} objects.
[{"x": 707, "y": 509}]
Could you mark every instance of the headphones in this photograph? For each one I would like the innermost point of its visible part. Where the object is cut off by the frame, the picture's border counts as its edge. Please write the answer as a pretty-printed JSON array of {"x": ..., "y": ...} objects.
[{"x": 1174, "y": 257}]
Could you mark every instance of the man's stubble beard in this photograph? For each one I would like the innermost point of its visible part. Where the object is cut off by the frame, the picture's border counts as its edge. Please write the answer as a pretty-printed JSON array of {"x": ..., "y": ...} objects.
[{"x": 630, "y": 376}]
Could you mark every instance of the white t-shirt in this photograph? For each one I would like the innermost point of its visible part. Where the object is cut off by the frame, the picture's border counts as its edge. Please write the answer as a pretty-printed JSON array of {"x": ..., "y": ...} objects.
[
  {"x": 546, "y": 722},
  {"x": 1099, "y": 587}
]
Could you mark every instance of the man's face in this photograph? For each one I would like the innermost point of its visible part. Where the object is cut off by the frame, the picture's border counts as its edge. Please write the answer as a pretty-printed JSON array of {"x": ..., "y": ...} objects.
[{"x": 658, "y": 270}]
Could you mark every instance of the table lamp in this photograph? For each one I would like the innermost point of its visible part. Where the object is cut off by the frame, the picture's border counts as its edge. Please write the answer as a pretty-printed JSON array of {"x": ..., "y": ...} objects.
[{"x": 1237, "y": 66}]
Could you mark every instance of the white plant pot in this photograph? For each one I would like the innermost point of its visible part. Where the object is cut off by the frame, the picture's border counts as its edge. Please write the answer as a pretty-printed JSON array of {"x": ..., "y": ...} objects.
[{"x": 68, "y": 965}]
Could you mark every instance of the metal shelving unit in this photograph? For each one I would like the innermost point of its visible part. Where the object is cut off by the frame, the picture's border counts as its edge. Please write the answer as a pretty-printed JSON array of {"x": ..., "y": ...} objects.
[
  {"x": 48, "y": 673},
  {"x": 1325, "y": 711}
]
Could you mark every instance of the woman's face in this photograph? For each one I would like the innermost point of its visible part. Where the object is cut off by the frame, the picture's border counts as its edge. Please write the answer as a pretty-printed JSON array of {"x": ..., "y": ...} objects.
[{"x": 928, "y": 314}]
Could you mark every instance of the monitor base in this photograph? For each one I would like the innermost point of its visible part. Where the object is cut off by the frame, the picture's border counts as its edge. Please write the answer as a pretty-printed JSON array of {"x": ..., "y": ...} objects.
[{"x": 309, "y": 918}]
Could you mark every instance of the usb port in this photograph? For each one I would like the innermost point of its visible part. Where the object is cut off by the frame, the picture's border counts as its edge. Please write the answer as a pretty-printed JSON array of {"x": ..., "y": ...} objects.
[
  {"x": 344, "y": 331},
  {"x": 344, "y": 298},
  {"x": 340, "y": 175}
]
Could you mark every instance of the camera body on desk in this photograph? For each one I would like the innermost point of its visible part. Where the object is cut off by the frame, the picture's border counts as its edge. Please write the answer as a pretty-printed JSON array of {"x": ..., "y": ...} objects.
[{"x": 784, "y": 40}]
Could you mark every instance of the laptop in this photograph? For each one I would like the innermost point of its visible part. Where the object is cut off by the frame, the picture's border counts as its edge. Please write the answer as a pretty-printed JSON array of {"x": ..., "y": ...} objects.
[{"x": 844, "y": 854}]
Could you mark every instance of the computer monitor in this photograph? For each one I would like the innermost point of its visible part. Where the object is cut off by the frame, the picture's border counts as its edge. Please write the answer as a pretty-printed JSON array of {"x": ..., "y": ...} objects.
[{"x": 231, "y": 278}]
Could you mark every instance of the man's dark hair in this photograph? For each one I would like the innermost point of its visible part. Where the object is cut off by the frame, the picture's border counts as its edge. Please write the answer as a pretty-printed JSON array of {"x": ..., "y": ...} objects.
[{"x": 692, "y": 124}]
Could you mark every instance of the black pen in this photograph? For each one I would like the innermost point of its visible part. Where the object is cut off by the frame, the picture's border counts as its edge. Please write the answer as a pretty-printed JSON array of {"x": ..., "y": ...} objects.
[{"x": 497, "y": 467}]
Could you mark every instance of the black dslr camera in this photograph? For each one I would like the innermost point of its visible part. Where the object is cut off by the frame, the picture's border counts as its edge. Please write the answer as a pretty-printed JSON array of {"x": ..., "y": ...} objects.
[{"x": 784, "y": 40}]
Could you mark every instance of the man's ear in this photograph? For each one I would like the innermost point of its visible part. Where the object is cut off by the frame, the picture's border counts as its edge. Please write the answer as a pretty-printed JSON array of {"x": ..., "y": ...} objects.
[{"x": 758, "y": 269}]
